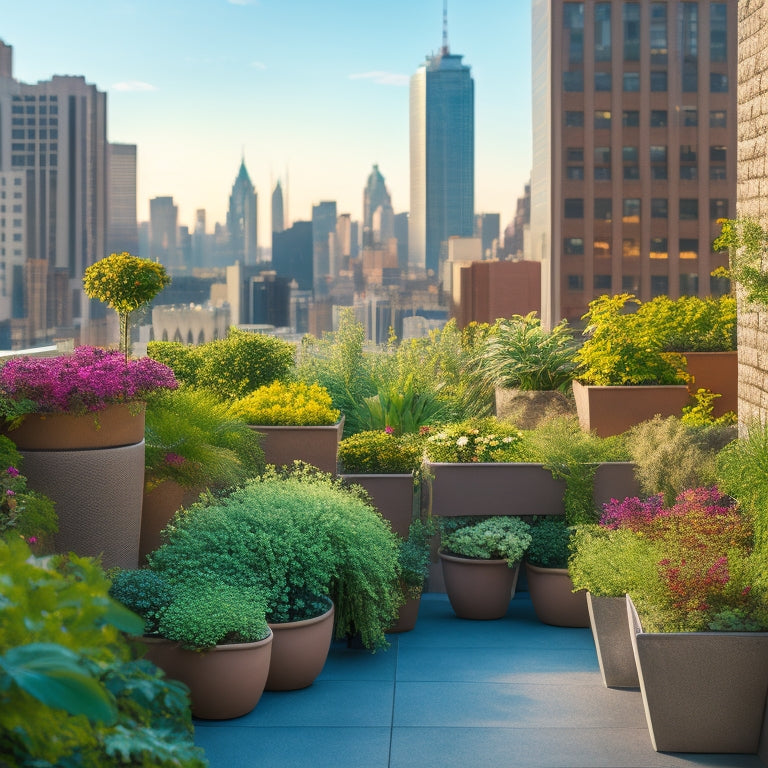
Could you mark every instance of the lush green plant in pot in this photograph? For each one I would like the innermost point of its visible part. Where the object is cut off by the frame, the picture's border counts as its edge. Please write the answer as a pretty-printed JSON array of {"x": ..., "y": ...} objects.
[
  {"x": 293, "y": 403},
  {"x": 478, "y": 440},
  {"x": 498, "y": 537},
  {"x": 549, "y": 547},
  {"x": 414, "y": 557},
  {"x": 381, "y": 451}
]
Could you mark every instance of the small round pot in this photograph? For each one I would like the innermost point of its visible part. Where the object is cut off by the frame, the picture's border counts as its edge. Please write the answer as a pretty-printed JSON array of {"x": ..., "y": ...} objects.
[
  {"x": 478, "y": 589},
  {"x": 553, "y": 598},
  {"x": 299, "y": 651},
  {"x": 225, "y": 682},
  {"x": 407, "y": 616}
]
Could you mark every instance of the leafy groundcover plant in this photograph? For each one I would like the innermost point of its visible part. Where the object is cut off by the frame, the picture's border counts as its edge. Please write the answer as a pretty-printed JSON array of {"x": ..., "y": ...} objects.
[
  {"x": 550, "y": 537},
  {"x": 480, "y": 440},
  {"x": 281, "y": 404},
  {"x": 381, "y": 452},
  {"x": 491, "y": 538}
]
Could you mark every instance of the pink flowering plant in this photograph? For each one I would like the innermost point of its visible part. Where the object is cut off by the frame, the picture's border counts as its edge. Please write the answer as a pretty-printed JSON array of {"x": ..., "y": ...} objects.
[{"x": 86, "y": 381}]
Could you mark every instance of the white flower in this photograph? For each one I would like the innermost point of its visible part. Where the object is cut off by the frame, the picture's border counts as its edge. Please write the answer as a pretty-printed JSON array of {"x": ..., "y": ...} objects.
[{"x": 462, "y": 441}]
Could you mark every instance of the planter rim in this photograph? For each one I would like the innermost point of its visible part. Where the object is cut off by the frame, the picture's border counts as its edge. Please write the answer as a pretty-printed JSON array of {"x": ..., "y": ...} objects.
[
  {"x": 546, "y": 569},
  {"x": 630, "y": 386},
  {"x": 335, "y": 425},
  {"x": 223, "y": 647},
  {"x": 409, "y": 475},
  {"x": 477, "y": 560},
  {"x": 288, "y": 625},
  {"x": 484, "y": 463}
]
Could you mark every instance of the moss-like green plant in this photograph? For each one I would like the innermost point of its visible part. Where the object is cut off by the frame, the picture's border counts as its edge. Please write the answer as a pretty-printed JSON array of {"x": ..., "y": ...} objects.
[
  {"x": 184, "y": 360},
  {"x": 550, "y": 537},
  {"x": 144, "y": 592},
  {"x": 381, "y": 452},
  {"x": 492, "y": 538},
  {"x": 294, "y": 403}
]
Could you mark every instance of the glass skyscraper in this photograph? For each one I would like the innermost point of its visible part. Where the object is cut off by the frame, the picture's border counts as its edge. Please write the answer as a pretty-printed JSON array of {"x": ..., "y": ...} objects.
[{"x": 442, "y": 150}]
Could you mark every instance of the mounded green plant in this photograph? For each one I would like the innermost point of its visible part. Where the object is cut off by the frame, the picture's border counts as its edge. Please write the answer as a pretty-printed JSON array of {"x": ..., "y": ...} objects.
[
  {"x": 295, "y": 537},
  {"x": 144, "y": 592},
  {"x": 71, "y": 693},
  {"x": 193, "y": 438},
  {"x": 401, "y": 408},
  {"x": 519, "y": 354},
  {"x": 292, "y": 403},
  {"x": 184, "y": 360},
  {"x": 479, "y": 440},
  {"x": 549, "y": 548},
  {"x": 381, "y": 452},
  {"x": 491, "y": 538}
]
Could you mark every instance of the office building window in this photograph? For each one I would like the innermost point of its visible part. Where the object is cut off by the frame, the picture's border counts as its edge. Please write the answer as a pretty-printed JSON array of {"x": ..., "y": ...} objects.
[
  {"x": 574, "y": 119},
  {"x": 602, "y": 32},
  {"x": 658, "y": 118},
  {"x": 689, "y": 208},
  {"x": 659, "y": 208},
  {"x": 717, "y": 154},
  {"x": 718, "y": 209},
  {"x": 630, "y": 248},
  {"x": 688, "y": 153},
  {"x": 658, "y": 33},
  {"x": 573, "y": 25},
  {"x": 689, "y": 284},
  {"x": 717, "y": 118},
  {"x": 573, "y": 82},
  {"x": 718, "y": 32},
  {"x": 688, "y": 172},
  {"x": 659, "y": 285},
  {"x": 574, "y": 154},
  {"x": 689, "y": 248},
  {"x": 573, "y": 246},
  {"x": 689, "y": 45},
  {"x": 659, "y": 248},
  {"x": 631, "y": 212},
  {"x": 630, "y": 118},
  {"x": 574, "y": 208},
  {"x": 602, "y": 81},
  {"x": 603, "y": 208},
  {"x": 574, "y": 172},
  {"x": 602, "y": 119},
  {"x": 631, "y": 82},
  {"x": 602, "y": 155},
  {"x": 602, "y": 282},
  {"x": 602, "y": 173},
  {"x": 718, "y": 83},
  {"x": 631, "y": 24},
  {"x": 717, "y": 173},
  {"x": 629, "y": 154},
  {"x": 630, "y": 283},
  {"x": 689, "y": 116},
  {"x": 658, "y": 153},
  {"x": 631, "y": 172},
  {"x": 575, "y": 282},
  {"x": 659, "y": 80},
  {"x": 601, "y": 249}
]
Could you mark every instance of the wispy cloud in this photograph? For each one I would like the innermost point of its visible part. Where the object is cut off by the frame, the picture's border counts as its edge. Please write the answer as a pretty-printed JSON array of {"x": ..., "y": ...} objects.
[
  {"x": 382, "y": 78},
  {"x": 258, "y": 65},
  {"x": 133, "y": 85}
]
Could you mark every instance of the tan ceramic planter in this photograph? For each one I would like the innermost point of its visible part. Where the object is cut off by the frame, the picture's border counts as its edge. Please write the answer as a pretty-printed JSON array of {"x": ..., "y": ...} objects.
[
  {"x": 407, "y": 616},
  {"x": 553, "y": 598},
  {"x": 610, "y": 631},
  {"x": 318, "y": 446},
  {"x": 392, "y": 495}
]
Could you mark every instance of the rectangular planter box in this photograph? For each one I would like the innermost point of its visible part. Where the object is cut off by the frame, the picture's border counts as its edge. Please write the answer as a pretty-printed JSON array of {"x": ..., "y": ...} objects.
[
  {"x": 318, "y": 446},
  {"x": 613, "y": 643},
  {"x": 612, "y": 410},
  {"x": 718, "y": 372},
  {"x": 393, "y": 496},
  {"x": 615, "y": 480}
]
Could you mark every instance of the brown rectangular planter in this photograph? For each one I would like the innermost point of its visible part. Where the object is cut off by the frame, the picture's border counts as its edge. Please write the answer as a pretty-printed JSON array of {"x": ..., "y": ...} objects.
[
  {"x": 615, "y": 480},
  {"x": 612, "y": 410},
  {"x": 318, "y": 446},
  {"x": 392, "y": 495},
  {"x": 718, "y": 372}
]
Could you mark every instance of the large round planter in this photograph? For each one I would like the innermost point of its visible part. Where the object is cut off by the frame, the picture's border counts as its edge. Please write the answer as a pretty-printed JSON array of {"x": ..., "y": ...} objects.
[
  {"x": 392, "y": 495},
  {"x": 553, "y": 598},
  {"x": 718, "y": 372},
  {"x": 157, "y": 508},
  {"x": 478, "y": 589},
  {"x": 224, "y": 682},
  {"x": 299, "y": 651},
  {"x": 702, "y": 691},
  {"x": 407, "y": 616},
  {"x": 610, "y": 631},
  {"x": 318, "y": 446},
  {"x": 612, "y": 410}
]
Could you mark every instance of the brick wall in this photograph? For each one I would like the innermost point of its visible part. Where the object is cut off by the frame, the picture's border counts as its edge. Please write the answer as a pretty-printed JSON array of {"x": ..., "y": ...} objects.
[{"x": 752, "y": 195}]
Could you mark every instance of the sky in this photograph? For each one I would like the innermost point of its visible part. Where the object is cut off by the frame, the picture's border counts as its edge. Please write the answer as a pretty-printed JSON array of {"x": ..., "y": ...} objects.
[{"x": 310, "y": 92}]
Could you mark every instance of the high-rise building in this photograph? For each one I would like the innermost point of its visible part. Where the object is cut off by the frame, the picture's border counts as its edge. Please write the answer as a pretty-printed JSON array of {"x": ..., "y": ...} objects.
[
  {"x": 487, "y": 228},
  {"x": 123, "y": 231},
  {"x": 53, "y": 136},
  {"x": 377, "y": 208},
  {"x": 278, "y": 209},
  {"x": 634, "y": 147},
  {"x": 323, "y": 227},
  {"x": 242, "y": 219},
  {"x": 200, "y": 240},
  {"x": 292, "y": 254},
  {"x": 163, "y": 233},
  {"x": 442, "y": 149}
]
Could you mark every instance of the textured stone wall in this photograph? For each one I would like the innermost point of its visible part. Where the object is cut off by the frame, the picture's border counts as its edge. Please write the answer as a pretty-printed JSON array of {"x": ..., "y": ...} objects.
[{"x": 753, "y": 195}]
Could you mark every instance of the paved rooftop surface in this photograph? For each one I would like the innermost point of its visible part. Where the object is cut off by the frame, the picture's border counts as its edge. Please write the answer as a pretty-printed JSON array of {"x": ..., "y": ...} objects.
[{"x": 508, "y": 693}]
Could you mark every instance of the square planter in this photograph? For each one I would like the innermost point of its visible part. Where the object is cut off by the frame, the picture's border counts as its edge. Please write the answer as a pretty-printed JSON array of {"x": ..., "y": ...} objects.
[
  {"x": 318, "y": 446},
  {"x": 612, "y": 410},
  {"x": 615, "y": 480},
  {"x": 613, "y": 643},
  {"x": 702, "y": 691},
  {"x": 393, "y": 495},
  {"x": 718, "y": 372}
]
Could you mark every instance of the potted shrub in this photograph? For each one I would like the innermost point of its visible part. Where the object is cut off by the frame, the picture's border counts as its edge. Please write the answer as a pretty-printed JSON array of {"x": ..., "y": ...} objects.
[
  {"x": 481, "y": 560},
  {"x": 388, "y": 467},
  {"x": 298, "y": 423},
  {"x": 624, "y": 376},
  {"x": 68, "y": 406},
  {"x": 414, "y": 559},
  {"x": 487, "y": 466},
  {"x": 523, "y": 362},
  {"x": 211, "y": 636}
]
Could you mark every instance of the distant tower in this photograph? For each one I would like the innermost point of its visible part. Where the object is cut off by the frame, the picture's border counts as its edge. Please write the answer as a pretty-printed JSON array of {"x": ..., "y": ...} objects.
[
  {"x": 242, "y": 220},
  {"x": 278, "y": 214},
  {"x": 375, "y": 197},
  {"x": 442, "y": 147},
  {"x": 163, "y": 231},
  {"x": 123, "y": 230},
  {"x": 323, "y": 225}
]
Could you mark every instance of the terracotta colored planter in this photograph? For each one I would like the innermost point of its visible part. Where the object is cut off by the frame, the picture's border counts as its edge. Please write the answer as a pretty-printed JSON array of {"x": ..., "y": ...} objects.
[
  {"x": 702, "y": 691},
  {"x": 299, "y": 651},
  {"x": 494, "y": 489},
  {"x": 225, "y": 682},
  {"x": 318, "y": 446},
  {"x": 478, "y": 589},
  {"x": 114, "y": 426},
  {"x": 407, "y": 616},
  {"x": 612, "y": 410},
  {"x": 393, "y": 496},
  {"x": 610, "y": 631},
  {"x": 553, "y": 598},
  {"x": 718, "y": 372},
  {"x": 615, "y": 480},
  {"x": 157, "y": 508}
]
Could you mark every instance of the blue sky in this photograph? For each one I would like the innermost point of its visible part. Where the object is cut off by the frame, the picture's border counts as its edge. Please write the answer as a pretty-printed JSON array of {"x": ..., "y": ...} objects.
[{"x": 315, "y": 90}]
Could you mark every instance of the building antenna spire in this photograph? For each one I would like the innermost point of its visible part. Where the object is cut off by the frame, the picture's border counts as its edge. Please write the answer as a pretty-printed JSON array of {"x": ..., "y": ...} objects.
[{"x": 445, "y": 50}]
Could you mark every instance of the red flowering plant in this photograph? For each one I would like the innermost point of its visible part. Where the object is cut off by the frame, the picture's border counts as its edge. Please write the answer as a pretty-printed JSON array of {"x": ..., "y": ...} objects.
[{"x": 86, "y": 381}]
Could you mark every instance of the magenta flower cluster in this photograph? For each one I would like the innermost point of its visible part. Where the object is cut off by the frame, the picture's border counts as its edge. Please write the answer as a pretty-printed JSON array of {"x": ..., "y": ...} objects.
[{"x": 87, "y": 380}]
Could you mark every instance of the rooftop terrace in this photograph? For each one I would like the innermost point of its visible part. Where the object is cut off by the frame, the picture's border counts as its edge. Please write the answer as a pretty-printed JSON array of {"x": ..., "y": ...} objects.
[{"x": 513, "y": 692}]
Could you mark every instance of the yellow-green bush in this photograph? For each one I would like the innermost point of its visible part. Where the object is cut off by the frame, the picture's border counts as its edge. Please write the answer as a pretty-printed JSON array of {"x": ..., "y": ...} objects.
[{"x": 295, "y": 403}]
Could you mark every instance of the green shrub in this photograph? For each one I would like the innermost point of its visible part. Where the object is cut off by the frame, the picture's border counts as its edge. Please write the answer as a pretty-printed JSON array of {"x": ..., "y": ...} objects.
[
  {"x": 400, "y": 408},
  {"x": 294, "y": 403},
  {"x": 491, "y": 538},
  {"x": 549, "y": 543},
  {"x": 144, "y": 592},
  {"x": 481, "y": 440},
  {"x": 415, "y": 557},
  {"x": 380, "y": 452},
  {"x": 692, "y": 324},
  {"x": 747, "y": 243},
  {"x": 182, "y": 359}
]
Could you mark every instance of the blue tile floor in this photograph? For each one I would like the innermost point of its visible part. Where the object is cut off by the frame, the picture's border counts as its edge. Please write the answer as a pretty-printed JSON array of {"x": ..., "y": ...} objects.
[{"x": 512, "y": 693}]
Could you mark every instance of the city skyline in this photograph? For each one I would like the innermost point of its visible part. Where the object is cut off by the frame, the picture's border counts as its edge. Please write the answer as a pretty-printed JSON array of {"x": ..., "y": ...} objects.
[{"x": 317, "y": 93}]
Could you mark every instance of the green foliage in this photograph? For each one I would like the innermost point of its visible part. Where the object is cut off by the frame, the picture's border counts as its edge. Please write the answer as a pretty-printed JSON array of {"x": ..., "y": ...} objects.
[
  {"x": 381, "y": 452},
  {"x": 746, "y": 242},
  {"x": 294, "y": 537},
  {"x": 700, "y": 412},
  {"x": 549, "y": 543},
  {"x": 144, "y": 592},
  {"x": 293, "y": 403},
  {"x": 671, "y": 455},
  {"x": 402, "y": 409},
  {"x": 70, "y": 693},
  {"x": 621, "y": 348},
  {"x": 183, "y": 360},
  {"x": 481, "y": 440},
  {"x": 415, "y": 556},
  {"x": 573, "y": 455},
  {"x": 519, "y": 354},
  {"x": 492, "y": 538},
  {"x": 195, "y": 439}
]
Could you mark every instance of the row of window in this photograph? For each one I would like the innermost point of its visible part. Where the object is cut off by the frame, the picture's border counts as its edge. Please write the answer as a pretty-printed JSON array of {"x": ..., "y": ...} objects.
[
  {"x": 28, "y": 161},
  {"x": 17, "y": 109},
  {"x": 688, "y": 208},
  {"x": 573, "y": 82},
  {"x": 658, "y": 118},
  {"x": 688, "y": 248},
  {"x": 31, "y": 121},
  {"x": 689, "y": 284},
  {"x": 657, "y": 153},
  {"x": 31, "y": 134},
  {"x": 35, "y": 97},
  {"x": 16, "y": 182}
]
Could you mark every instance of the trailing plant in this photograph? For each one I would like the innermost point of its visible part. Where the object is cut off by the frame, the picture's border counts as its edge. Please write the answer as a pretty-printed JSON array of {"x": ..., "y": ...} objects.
[
  {"x": 71, "y": 693},
  {"x": 491, "y": 538},
  {"x": 518, "y": 353},
  {"x": 294, "y": 403},
  {"x": 746, "y": 242},
  {"x": 381, "y": 452},
  {"x": 549, "y": 542},
  {"x": 481, "y": 440},
  {"x": 126, "y": 284},
  {"x": 414, "y": 557}
]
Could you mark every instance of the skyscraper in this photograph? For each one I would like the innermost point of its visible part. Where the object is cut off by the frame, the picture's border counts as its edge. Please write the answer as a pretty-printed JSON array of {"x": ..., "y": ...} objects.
[
  {"x": 376, "y": 199},
  {"x": 278, "y": 210},
  {"x": 163, "y": 233},
  {"x": 634, "y": 147},
  {"x": 323, "y": 231},
  {"x": 442, "y": 149},
  {"x": 54, "y": 139},
  {"x": 123, "y": 232},
  {"x": 242, "y": 219}
]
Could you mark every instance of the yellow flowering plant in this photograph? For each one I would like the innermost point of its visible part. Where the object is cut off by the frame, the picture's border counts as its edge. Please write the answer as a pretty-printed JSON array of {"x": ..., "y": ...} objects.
[{"x": 281, "y": 404}]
